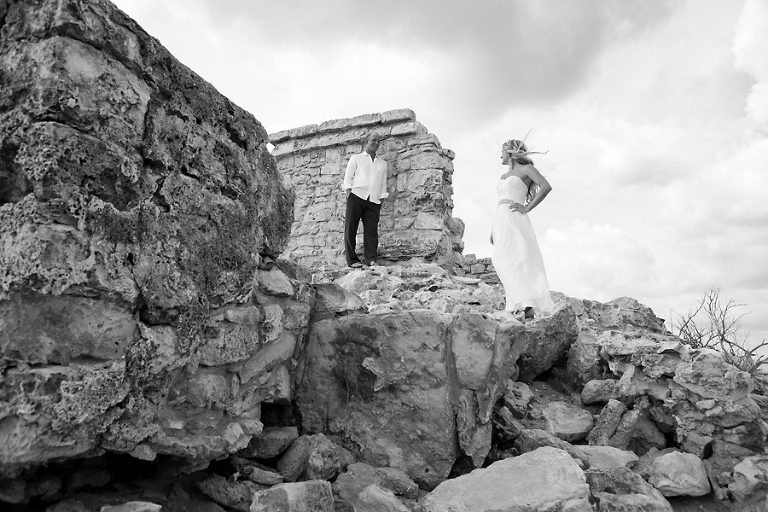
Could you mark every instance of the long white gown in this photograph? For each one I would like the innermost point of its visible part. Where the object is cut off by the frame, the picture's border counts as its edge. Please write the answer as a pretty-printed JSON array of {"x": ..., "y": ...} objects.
[{"x": 516, "y": 256}]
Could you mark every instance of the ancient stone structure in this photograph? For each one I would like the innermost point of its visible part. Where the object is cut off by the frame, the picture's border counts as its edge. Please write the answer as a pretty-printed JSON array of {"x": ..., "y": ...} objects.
[{"x": 416, "y": 219}]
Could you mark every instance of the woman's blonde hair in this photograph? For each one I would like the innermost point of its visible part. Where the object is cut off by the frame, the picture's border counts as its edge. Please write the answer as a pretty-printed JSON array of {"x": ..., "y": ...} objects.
[{"x": 517, "y": 151}]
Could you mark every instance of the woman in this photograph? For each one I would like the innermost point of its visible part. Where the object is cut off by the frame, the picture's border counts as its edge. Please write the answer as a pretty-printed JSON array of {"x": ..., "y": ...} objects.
[{"x": 516, "y": 256}]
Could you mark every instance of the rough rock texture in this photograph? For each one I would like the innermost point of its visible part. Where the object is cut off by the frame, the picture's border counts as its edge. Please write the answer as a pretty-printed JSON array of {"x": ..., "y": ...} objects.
[
  {"x": 546, "y": 479},
  {"x": 312, "y": 496},
  {"x": 139, "y": 214},
  {"x": 622, "y": 490},
  {"x": 390, "y": 384},
  {"x": 416, "y": 222},
  {"x": 679, "y": 474},
  {"x": 359, "y": 476},
  {"x": 695, "y": 395}
]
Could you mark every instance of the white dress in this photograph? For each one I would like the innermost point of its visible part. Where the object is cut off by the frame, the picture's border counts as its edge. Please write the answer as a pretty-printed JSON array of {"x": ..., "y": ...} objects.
[{"x": 516, "y": 256}]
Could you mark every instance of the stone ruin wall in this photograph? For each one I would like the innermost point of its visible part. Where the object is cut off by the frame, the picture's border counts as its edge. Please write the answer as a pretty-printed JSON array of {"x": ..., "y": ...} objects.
[{"x": 416, "y": 223}]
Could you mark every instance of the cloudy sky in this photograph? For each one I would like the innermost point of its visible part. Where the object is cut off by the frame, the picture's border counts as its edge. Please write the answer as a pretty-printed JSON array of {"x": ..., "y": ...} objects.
[{"x": 654, "y": 114}]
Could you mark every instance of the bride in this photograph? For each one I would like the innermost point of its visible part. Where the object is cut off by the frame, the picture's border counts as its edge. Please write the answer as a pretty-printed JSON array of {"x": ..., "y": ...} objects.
[{"x": 516, "y": 256}]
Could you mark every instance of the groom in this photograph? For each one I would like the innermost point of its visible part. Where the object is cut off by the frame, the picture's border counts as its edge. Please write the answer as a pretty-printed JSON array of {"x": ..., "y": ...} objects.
[{"x": 365, "y": 184}]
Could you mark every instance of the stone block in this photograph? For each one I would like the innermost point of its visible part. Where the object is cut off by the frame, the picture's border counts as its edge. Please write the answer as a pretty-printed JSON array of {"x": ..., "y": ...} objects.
[{"x": 392, "y": 116}]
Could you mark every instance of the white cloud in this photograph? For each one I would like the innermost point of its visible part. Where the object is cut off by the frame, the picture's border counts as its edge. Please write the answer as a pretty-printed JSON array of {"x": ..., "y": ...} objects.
[{"x": 749, "y": 46}]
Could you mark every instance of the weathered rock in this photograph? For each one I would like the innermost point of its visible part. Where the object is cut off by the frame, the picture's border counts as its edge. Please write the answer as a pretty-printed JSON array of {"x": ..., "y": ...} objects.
[
  {"x": 136, "y": 204},
  {"x": 256, "y": 472},
  {"x": 360, "y": 475},
  {"x": 624, "y": 430},
  {"x": 375, "y": 499},
  {"x": 270, "y": 443},
  {"x": 567, "y": 422},
  {"x": 314, "y": 457},
  {"x": 506, "y": 427},
  {"x": 618, "y": 313},
  {"x": 606, "y": 457},
  {"x": 361, "y": 369},
  {"x": 312, "y": 496},
  {"x": 607, "y": 502},
  {"x": 679, "y": 474},
  {"x": 236, "y": 495},
  {"x": 333, "y": 298},
  {"x": 607, "y": 422},
  {"x": 601, "y": 391},
  {"x": 517, "y": 397},
  {"x": 584, "y": 361},
  {"x": 710, "y": 376},
  {"x": 647, "y": 435},
  {"x": 326, "y": 459},
  {"x": 474, "y": 436},
  {"x": 750, "y": 478},
  {"x": 548, "y": 341},
  {"x": 546, "y": 479},
  {"x": 621, "y": 489},
  {"x": 533, "y": 439}
]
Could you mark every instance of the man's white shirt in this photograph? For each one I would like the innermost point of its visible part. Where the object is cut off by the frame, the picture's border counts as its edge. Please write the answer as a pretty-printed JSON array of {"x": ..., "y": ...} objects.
[{"x": 367, "y": 178}]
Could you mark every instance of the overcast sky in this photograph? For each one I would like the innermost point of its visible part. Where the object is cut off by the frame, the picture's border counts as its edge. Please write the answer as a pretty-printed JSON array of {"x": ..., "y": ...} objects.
[{"x": 654, "y": 112}]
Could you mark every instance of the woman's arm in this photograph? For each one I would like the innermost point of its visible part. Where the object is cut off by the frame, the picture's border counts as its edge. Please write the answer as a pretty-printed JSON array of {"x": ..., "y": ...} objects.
[{"x": 544, "y": 188}]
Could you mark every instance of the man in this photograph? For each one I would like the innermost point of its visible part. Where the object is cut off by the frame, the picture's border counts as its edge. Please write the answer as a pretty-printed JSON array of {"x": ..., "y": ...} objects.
[{"x": 365, "y": 184}]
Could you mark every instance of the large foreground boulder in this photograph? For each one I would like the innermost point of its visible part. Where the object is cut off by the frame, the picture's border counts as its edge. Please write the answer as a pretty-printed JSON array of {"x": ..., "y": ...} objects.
[
  {"x": 544, "y": 479},
  {"x": 404, "y": 387}
]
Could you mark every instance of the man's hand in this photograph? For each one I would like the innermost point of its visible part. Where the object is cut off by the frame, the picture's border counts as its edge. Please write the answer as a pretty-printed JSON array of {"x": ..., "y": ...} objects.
[{"x": 348, "y": 191}]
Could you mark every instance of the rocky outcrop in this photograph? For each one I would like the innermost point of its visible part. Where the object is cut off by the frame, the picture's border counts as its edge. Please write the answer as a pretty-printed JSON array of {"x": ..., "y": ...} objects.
[
  {"x": 140, "y": 214},
  {"x": 416, "y": 223}
]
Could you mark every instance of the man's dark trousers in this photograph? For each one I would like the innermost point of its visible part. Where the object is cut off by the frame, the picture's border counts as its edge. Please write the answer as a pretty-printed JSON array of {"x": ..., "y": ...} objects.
[{"x": 367, "y": 211}]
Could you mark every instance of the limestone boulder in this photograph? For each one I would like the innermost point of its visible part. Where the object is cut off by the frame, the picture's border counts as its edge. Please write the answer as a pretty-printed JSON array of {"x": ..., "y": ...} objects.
[
  {"x": 710, "y": 376},
  {"x": 584, "y": 361},
  {"x": 360, "y": 370},
  {"x": 375, "y": 499},
  {"x": 235, "y": 495},
  {"x": 391, "y": 384},
  {"x": 256, "y": 472},
  {"x": 607, "y": 423},
  {"x": 679, "y": 474},
  {"x": 360, "y": 475},
  {"x": 607, "y": 457},
  {"x": 530, "y": 440},
  {"x": 621, "y": 489},
  {"x": 545, "y": 479},
  {"x": 517, "y": 397},
  {"x": 549, "y": 339},
  {"x": 621, "y": 312},
  {"x": 271, "y": 442},
  {"x": 311, "y": 496},
  {"x": 749, "y": 480},
  {"x": 567, "y": 422}
]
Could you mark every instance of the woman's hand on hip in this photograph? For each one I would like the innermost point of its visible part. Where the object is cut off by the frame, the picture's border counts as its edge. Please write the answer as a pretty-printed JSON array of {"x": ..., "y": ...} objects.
[{"x": 517, "y": 207}]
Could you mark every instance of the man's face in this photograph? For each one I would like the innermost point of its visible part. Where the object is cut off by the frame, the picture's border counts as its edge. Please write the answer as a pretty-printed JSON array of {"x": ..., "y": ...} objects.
[{"x": 372, "y": 144}]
